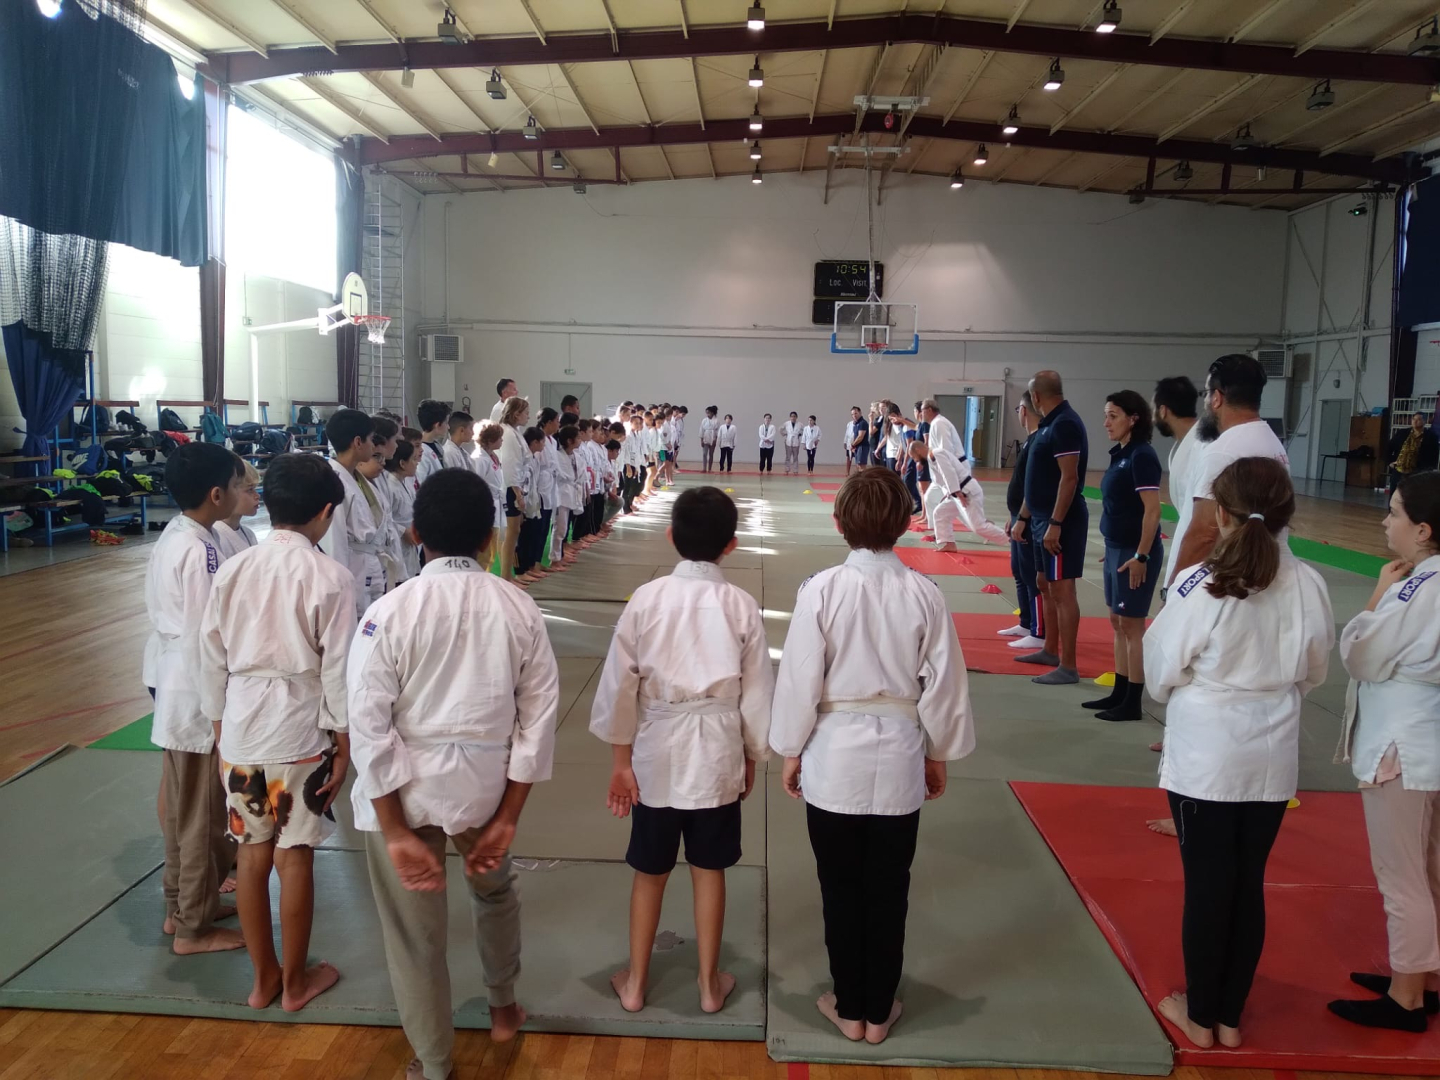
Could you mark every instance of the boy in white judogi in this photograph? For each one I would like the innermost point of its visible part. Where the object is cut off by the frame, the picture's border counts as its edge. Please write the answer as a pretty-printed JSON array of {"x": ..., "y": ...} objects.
[
  {"x": 725, "y": 437},
  {"x": 355, "y": 538},
  {"x": 767, "y": 445},
  {"x": 687, "y": 725},
  {"x": 231, "y": 536},
  {"x": 433, "y": 417},
  {"x": 486, "y": 463},
  {"x": 709, "y": 425},
  {"x": 792, "y": 436},
  {"x": 457, "y": 449},
  {"x": 203, "y": 480},
  {"x": 954, "y": 493},
  {"x": 397, "y": 486},
  {"x": 871, "y": 701},
  {"x": 810, "y": 440},
  {"x": 453, "y": 696},
  {"x": 274, "y": 689}
]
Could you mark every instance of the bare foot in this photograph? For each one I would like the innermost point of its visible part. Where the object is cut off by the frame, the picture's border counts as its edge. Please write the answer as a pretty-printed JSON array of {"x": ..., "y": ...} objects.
[
  {"x": 877, "y": 1033},
  {"x": 632, "y": 999},
  {"x": 227, "y": 886},
  {"x": 1227, "y": 1036},
  {"x": 1173, "y": 1008},
  {"x": 505, "y": 1022},
  {"x": 947, "y": 547},
  {"x": 1165, "y": 826},
  {"x": 214, "y": 941},
  {"x": 226, "y": 911},
  {"x": 168, "y": 926},
  {"x": 854, "y": 1030},
  {"x": 712, "y": 998},
  {"x": 318, "y": 979},
  {"x": 1157, "y": 746},
  {"x": 265, "y": 991}
]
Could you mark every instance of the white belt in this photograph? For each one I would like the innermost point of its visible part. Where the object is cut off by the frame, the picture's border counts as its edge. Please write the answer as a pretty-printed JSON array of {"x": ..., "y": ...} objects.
[
  {"x": 266, "y": 673},
  {"x": 365, "y": 549},
  {"x": 670, "y": 710},
  {"x": 895, "y": 708}
]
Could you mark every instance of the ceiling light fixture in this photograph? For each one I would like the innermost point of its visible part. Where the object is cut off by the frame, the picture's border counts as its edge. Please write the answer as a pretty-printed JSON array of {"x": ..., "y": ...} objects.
[
  {"x": 449, "y": 28},
  {"x": 532, "y": 129},
  {"x": 1261, "y": 173},
  {"x": 1322, "y": 97},
  {"x": 757, "y": 122},
  {"x": 1425, "y": 43},
  {"x": 49, "y": 8},
  {"x": 579, "y": 187},
  {"x": 1183, "y": 171},
  {"x": 407, "y": 78},
  {"x": 494, "y": 87},
  {"x": 1109, "y": 18},
  {"x": 755, "y": 150},
  {"x": 1056, "y": 78},
  {"x": 557, "y": 162},
  {"x": 757, "y": 75},
  {"x": 1243, "y": 139},
  {"x": 755, "y": 18},
  {"x": 755, "y": 177},
  {"x": 1012, "y": 122},
  {"x": 982, "y": 155},
  {"x": 1359, "y": 210},
  {"x": 956, "y": 180}
]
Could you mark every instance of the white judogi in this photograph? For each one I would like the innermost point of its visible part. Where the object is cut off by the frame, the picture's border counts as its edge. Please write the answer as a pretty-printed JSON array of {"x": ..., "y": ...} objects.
[
  {"x": 950, "y": 477},
  {"x": 709, "y": 426},
  {"x": 872, "y": 681},
  {"x": 498, "y": 410},
  {"x": 571, "y": 479},
  {"x": 849, "y": 438},
  {"x": 453, "y": 691},
  {"x": 1234, "y": 673},
  {"x": 1393, "y": 657},
  {"x": 398, "y": 497},
  {"x": 767, "y": 436},
  {"x": 810, "y": 436},
  {"x": 791, "y": 436},
  {"x": 177, "y": 587},
  {"x": 945, "y": 436},
  {"x": 693, "y": 714},
  {"x": 432, "y": 460},
  {"x": 273, "y": 645},
  {"x": 456, "y": 455},
  {"x": 513, "y": 455},
  {"x": 1180, "y": 466},
  {"x": 488, "y": 467},
  {"x": 355, "y": 539},
  {"x": 232, "y": 542},
  {"x": 726, "y": 434}
]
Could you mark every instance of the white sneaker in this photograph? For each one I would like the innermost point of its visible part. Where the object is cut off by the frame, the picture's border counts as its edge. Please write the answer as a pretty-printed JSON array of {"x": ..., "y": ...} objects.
[
  {"x": 1028, "y": 642},
  {"x": 1014, "y": 631}
]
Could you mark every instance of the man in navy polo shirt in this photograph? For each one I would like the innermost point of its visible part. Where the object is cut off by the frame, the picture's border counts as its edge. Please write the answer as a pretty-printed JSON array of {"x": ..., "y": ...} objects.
[{"x": 1055, "y": 519}]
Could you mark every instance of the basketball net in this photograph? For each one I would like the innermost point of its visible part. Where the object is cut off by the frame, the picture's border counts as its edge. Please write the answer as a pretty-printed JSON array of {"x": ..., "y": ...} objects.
[
  {"x": 874, "y": 348},
  {"x": 373, "y": 325}
]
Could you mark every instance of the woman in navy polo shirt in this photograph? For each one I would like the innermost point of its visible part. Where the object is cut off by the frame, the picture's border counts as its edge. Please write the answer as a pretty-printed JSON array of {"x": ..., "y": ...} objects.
[{"x": 1130, "y": 524}]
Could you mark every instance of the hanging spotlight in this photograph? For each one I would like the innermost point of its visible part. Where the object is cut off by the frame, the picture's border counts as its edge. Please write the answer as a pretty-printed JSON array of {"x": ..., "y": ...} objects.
[
  {"x": 757, "y": 122},
  {"x": 1260, "y": 174},
  {"x": 756, "y": 177},
  {"x": 1359, "y": 210},
  {"x": 1012, "y": 122},
  {"x": 755, "y": 151},
  {"x": 956, "y": 180},
  {"x": 1109, "y": 18},
  {"x": 1243, "y": 139},
  {"x": 1425, "y": 43},
  {"x": 579, "y": 187},
  {"x": 1183, "y": 171},
  {"x": 757, "y": 75},
  {"x": 982, "y": 155},
  {"x": 557, "y": 162},
  {"x": 755, "y": 18},
  {"x": 494, "y": 87},
  {"x": 493, "y": 159},
  {"x": 1322, "y": 97},
  {"x": 532, "y": 129},
  {"x": 449, "y": 29},
  {"x": 1056, "y": 78},
  {"x": 407, "y": 78},
  {"x": 49, "y": 8}
]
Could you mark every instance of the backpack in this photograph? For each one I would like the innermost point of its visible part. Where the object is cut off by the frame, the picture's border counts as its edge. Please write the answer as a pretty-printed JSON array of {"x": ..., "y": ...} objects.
[
  {"x": 170, "y": 421},
  {"x": 212, "y": 429},
  {"x": 306, "y": 416},
  {"x": 99, "y": 414},
  {"x": 274, "y": 442},
  {"x": 126, "y": 419},
  {"x": 94, "y": 460}
]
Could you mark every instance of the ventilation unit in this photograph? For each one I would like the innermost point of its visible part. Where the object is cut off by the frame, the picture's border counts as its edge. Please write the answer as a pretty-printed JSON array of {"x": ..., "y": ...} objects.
[
  {"x": 1277, "y": 360},
  {"x": 442, "y": 348},
  {"x": 1279, "y": 365}
]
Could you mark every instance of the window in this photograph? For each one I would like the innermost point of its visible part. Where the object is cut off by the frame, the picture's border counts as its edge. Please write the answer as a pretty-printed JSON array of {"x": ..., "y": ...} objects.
[{"x": 280, "y": 204}]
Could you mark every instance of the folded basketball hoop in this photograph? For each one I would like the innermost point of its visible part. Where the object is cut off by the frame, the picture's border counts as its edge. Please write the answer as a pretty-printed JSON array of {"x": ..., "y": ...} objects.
[{"x": 373, "y": 325}]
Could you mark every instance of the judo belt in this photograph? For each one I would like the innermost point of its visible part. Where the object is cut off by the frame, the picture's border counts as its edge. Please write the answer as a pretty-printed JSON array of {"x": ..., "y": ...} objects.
[
  {"x": 895, "y": 708},
  {"x": 366, "y": 549},
  {"x": 267, "y": 673},
  {"x": 963, "y": 483},
  {"x": 669, "y": 710}
]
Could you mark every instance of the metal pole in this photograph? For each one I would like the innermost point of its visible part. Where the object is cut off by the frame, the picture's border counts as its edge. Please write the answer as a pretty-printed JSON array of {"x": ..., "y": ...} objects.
[
  {"x": 1366, "y": 289},
  {"x": 254, "y": 379},
  {"x": 1313, "y": 441}
]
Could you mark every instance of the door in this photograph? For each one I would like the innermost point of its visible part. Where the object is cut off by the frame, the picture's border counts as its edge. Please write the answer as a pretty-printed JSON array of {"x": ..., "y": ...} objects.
[
  {"x": 984, "y": 437},
  {"x": 552, "y": 393},
  {"x": 1334, "y": 437}
]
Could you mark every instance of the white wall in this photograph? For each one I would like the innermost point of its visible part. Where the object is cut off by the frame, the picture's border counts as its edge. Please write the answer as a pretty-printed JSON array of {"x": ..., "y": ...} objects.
[{"x": 699, "y": 291}]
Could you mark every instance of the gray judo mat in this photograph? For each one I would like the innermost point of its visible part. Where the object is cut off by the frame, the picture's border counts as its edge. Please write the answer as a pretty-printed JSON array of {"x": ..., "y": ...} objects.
[
  {"x": 575, "y": 917},
  {"x": 79, "y": 831},
  {"x": 1003, "y": 964}
]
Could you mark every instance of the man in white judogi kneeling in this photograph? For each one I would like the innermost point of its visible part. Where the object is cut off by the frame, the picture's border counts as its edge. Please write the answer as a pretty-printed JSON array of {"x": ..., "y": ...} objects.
[{"x": 954, "y": 493}]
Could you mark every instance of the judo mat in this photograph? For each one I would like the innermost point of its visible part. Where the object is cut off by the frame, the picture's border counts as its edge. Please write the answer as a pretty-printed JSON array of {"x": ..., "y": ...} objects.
[
  {"x": 1003, "y": 967},
  {"x": 975, "y": 561},
  {"x": 133, "y": 736},
  {"x": 120, "y": 962},
  {"x": 986, "y": 651},
  {"x": 1324, "y": 920}
]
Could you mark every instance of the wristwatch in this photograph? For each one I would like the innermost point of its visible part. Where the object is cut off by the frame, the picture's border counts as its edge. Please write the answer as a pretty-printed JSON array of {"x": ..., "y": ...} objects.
[{"x": 1141, "y": 559}]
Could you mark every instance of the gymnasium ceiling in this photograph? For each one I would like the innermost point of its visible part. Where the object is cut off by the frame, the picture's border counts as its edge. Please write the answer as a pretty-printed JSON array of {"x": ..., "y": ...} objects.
[{"x": 636, "y": 90}]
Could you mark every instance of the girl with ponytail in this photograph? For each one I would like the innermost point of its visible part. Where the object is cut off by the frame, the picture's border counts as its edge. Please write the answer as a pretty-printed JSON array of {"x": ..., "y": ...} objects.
[{"x": 1241, "y": 640}]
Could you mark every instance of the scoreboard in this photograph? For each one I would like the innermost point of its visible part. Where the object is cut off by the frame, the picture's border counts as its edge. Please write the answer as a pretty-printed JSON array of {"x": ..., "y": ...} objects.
[{"x": 836, "y": 279}]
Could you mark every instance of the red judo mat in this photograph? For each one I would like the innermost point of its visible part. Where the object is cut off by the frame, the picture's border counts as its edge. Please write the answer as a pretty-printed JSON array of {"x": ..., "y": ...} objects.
[
  {"x": 828, "y": 485},
  {"x": 1324, "y": 920},
  {"x": 986, "y": 651},
  {"x": 973, "y": 561}
]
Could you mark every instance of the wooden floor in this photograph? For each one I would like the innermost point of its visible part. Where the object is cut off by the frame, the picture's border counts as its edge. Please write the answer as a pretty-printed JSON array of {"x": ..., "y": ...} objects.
[{"x": 72, "y": 675}]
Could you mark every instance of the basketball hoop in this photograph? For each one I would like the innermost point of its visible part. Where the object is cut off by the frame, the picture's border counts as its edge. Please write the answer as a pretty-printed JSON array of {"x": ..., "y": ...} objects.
[
  {"x": 373, "y": 325},
  {"x": 874, "y": 348}
]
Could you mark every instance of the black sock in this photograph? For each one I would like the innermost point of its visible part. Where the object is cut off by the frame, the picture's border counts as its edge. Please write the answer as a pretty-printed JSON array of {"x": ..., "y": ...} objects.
[
  {"x": 1380, "y": 984},
  {"x": 1128, "y": 708},
  {"x": 1115, "y": 697},
  {"x": 1381, "y": 1012}
]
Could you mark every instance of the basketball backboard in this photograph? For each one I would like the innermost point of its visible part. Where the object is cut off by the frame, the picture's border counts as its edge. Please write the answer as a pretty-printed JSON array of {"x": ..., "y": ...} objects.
[
  {"x": 875, "y": 327},
  {"x": 354, "y": 301}
]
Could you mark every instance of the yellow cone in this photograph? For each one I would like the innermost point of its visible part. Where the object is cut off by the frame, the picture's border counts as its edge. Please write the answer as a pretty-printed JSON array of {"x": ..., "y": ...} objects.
[
  {"x": 729, "y": 491},
  {"x": 1293, "y": 804},
  {"x": 807, "y": 491},
  {"x": 1108, "y": 679},
  {"x": 1017, "y": 612}
]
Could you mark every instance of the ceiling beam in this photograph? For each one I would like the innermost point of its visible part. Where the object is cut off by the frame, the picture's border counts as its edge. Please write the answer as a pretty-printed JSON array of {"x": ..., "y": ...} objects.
[
  {"x": 534, "y": 22},
  {"x": 1165, "y": 25},
  {"x": 223, "y": 21},
  {"x": 1349, "y": 15},
  {"x": 1014, "y": 155},
  {"x": 732, "y": 40},
  {"x": 1379, "y": 125},
  {"x": 700, "y": 101},
  {"x": 684, "y": 22},
  {"x": 1100, "y": 88},
  {"x": 639, "y": 94},
  {"x": 1145, "y": 102},
  {"x": 1113, "y": 167},
  {"x": 666, "y": 157},
  {"x": 923, "y": 81},
  {"x": 1361, "y": 166},
  {"x": 1209, "y": 107},
  {"x": 484, "y": 124},
  {"x": 465, "y": 168},
  {"x": 314, "y": 31},
  {"x": 961, "y": 97},
  {"x": 382, "y": 22},
  {"x": 1054, "y": 169},
  {"x": 1259, "y": 15},
  {"x": 830, "y": 20},
  {"x": 419, "y": 121},
  {"x": 1320, "y": 117},
  {"x": 578, "y": 99},
  {"x": 335, "y": 101},
  {"x": 610, "y": 22},
  {"x": 819, "y": 77},
  {"x": 1020, "y": 6}
]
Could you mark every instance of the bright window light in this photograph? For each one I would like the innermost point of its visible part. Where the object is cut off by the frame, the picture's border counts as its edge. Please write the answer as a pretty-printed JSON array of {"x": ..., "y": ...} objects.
[
  {"x": 280, "y": 205},
  {"x": 49, "y": 8}
]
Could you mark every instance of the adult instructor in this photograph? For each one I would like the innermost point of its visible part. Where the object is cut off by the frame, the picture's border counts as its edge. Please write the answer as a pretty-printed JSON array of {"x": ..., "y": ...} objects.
[
  {"x": 506, "y": 389},
  {"x": 1056, "y": 520}
]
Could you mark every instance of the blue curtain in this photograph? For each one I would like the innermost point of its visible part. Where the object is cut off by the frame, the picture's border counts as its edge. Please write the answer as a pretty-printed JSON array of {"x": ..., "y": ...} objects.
[
  {"x": 1420, "y": 277},
  {"x": 43, "y": 383}
]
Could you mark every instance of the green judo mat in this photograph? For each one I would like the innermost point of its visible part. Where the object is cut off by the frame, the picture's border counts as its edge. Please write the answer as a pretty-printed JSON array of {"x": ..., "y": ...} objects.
[{"x": 133, "y": 736}]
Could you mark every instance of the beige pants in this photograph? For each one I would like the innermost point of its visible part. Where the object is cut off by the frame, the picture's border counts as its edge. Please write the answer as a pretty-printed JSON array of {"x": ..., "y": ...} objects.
[
  {"x": 198, "y": 853},
  {"x": 414, "y": 925},
  {"x": 1404, "y": 831}
]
